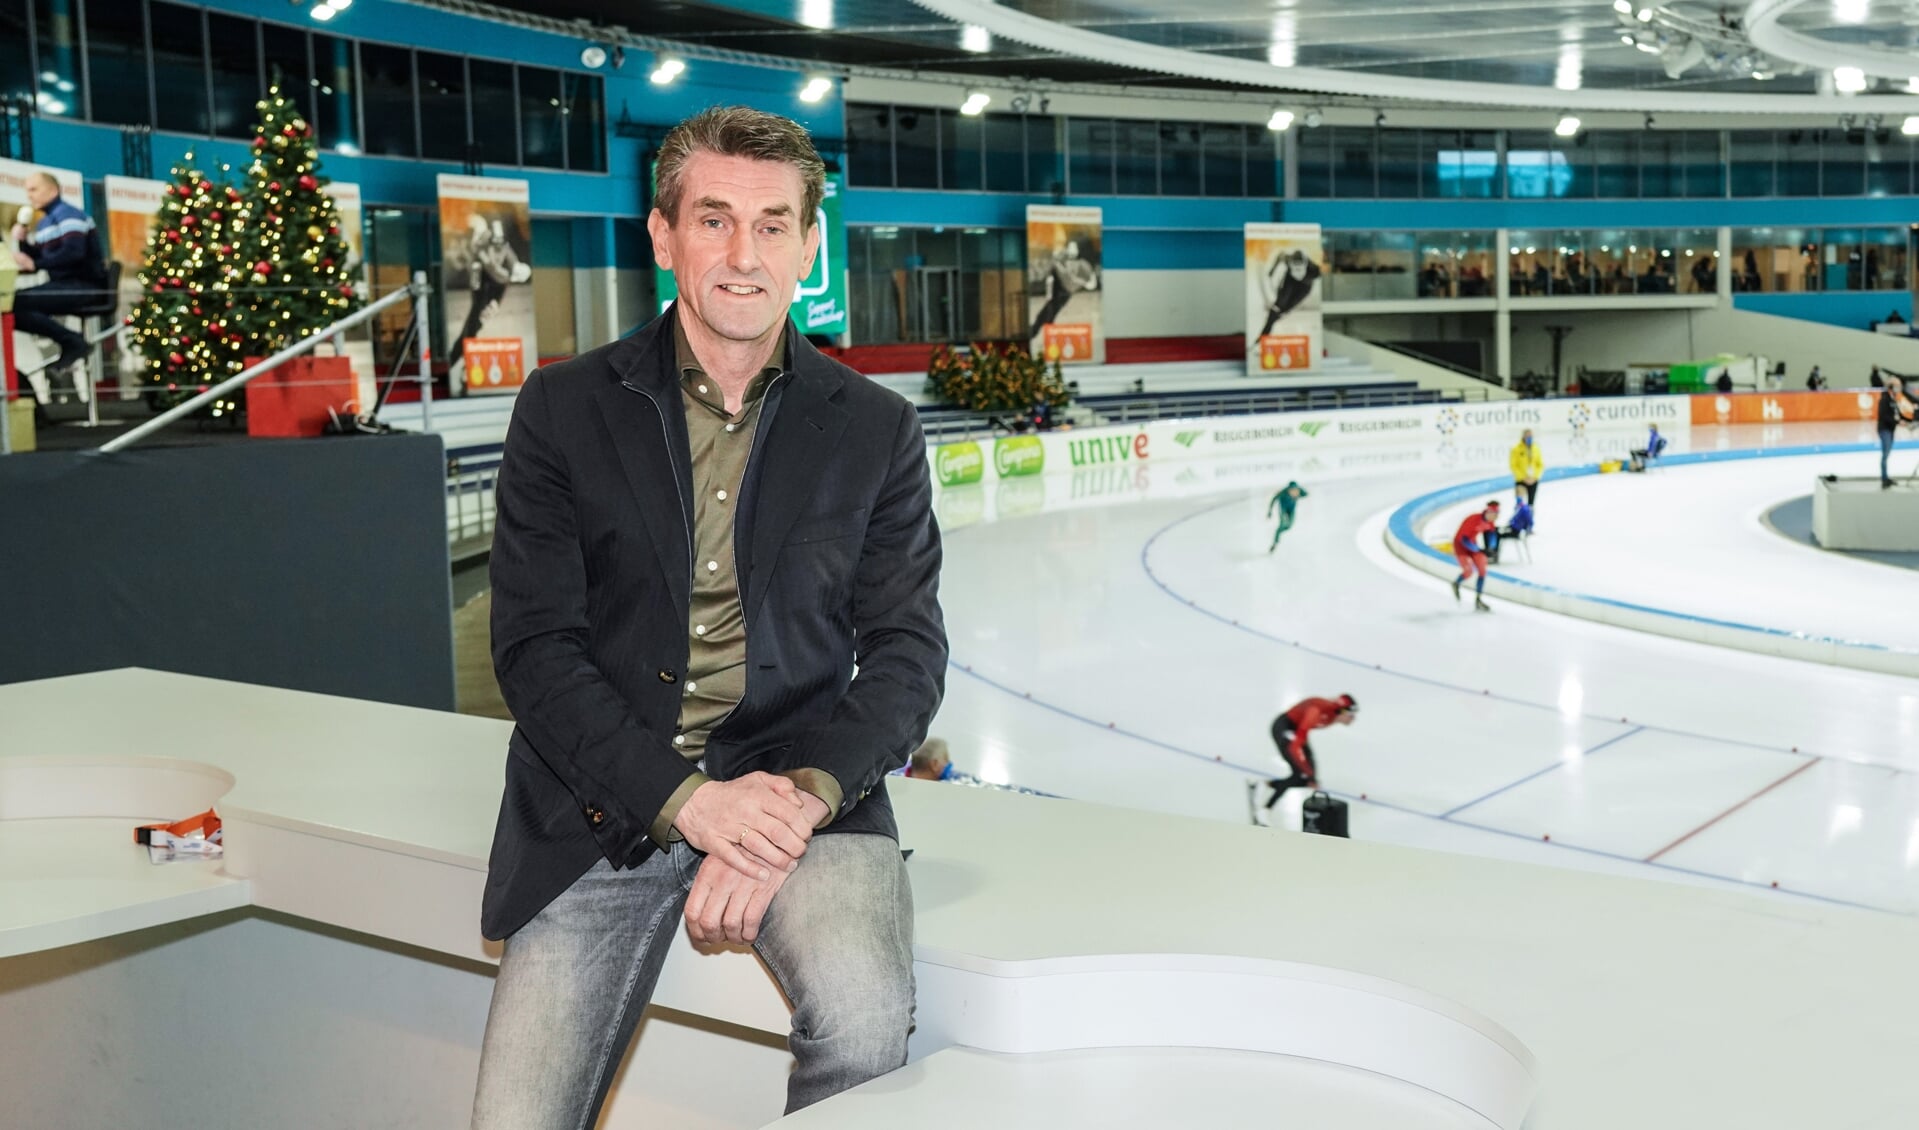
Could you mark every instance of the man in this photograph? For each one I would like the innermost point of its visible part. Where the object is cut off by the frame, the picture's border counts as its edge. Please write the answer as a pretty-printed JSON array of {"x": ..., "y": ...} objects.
[
  {"x": 1291, "y": 279},
  {"x": 1289, "y": 734},
  {"x": 1528, "y": 465},
  {"x": 931, "y": 762},
  {"x": 703, "y": 528},
  {"x": 1286, "y": 502},
  {"x": 1643, "y": 457},
  {"x": 1469, "y": 546},
  {"x": 1068, "y": 275},
  {"x": 1895, "y": 408},
  {"x": 66, "y": 246},
  {"x": 1518, "y": 529}
]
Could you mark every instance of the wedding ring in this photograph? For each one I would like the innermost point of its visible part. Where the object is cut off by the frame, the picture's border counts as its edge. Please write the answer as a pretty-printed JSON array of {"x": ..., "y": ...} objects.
[{"x": 743, "y": 831}]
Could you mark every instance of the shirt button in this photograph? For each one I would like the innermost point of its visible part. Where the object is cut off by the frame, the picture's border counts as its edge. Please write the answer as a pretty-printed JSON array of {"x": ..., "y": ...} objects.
[
  {"x": 679, "y": 739},
  {"x": 722, "y": 496},
  {"x": 699, "y": 629},
  {"x": 712, "y": 566},
  {"x": 702, "y": 388},
  {"x": 732, "y": 427},
  {"x": 691, "y": 687}
]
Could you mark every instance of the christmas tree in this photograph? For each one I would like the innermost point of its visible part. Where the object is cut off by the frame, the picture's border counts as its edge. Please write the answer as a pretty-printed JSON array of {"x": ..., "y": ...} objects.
[
  {"x": 290, "y": 246},
  {"x": 183, "y": 326}
]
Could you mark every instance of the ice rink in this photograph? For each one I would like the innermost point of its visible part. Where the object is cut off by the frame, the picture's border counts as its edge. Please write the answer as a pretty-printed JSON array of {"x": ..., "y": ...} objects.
[{"x": 1131, "y": 641}]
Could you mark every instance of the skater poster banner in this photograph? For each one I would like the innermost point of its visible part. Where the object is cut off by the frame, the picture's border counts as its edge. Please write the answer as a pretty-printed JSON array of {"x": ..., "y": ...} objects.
[
  {"x": 486, "y": 241},
  {"x": 819, "y": 299},
  {"x": 1063, "y": 275},
  {"x": 358, "y": 344},
  {"x": 1283, "y": 297},
  {"x": 132, "y": 204}
]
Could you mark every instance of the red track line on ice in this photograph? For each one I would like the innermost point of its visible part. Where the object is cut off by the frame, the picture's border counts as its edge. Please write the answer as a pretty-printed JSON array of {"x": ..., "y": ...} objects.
[{"x": 1733, "y": 809}]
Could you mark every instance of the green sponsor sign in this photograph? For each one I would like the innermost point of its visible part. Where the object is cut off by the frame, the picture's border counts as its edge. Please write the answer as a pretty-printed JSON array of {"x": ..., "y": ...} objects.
[
  {"x": 1014, "y": 456},
  {"x": 959, "y": 463},
  {"x": 819, "y": 302},
  {"x": 1313, "y": 427}
]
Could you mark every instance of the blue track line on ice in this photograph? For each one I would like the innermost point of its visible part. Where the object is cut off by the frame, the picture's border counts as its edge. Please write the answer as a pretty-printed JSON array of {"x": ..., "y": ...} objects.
[{"x": 1538, "y": 773}]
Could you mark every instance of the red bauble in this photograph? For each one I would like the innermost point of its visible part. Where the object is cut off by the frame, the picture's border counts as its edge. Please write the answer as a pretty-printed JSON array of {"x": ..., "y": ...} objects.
[
  {"x": 289, "y": 130},
  {"x": 233, "y": 194},
  {"x": 273, "y": 186},
  {"x": 173, "y": 236},
  {"x": 187, "y": 221},
  {"x": 185, "y": 340},
  {"x": 176, "y": 358},
  {"x": 333, "y": 229},
  {"x": 327, "y": 263},
  {"x": 214, "y": 216},
  {"x": 259, "y": 143},
  {"x": 308, "y": 183},
  {"x": 347, "y": 290},
  {"x": 158, "y": 289},
  {"x": 196, "y": 311},
  {"x": 261, "y": 268}
]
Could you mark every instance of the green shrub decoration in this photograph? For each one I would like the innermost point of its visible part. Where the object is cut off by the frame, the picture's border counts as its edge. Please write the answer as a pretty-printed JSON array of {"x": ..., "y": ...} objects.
[{"x": 994, "y": 378}]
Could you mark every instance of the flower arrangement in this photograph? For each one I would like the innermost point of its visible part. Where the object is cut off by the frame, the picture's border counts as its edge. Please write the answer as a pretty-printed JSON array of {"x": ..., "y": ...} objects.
[{"x": 992, "y": 378}]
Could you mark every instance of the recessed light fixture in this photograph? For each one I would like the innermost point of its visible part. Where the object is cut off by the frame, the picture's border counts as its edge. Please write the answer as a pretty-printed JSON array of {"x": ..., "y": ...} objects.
[
  {"x": 816, "y": 88},
  {"x": 1281, "y": 121},
  {"x": 593, "y": 56},
  {"x": 1848, "y": 80},
  {"x": 1910, "y": 127},
  {"x": 1568, "y": 126},
  {"x": 975, "y": 103},
  {"x": 668, "y": 70},
  {"x": 976, "y": 39}
]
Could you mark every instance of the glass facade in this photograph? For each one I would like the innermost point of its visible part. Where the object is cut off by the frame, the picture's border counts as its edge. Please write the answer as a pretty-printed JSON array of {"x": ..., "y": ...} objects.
[
  {"x": 105, "y": 61},
  {"x": 936, "y": 284}
]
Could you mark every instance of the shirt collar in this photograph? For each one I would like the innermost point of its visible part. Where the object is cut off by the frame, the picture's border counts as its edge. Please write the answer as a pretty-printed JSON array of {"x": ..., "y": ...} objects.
[{"x": 692, "y": 373}]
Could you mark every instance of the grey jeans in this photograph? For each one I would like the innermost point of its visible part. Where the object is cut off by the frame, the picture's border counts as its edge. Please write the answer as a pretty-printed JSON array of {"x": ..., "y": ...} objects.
[{"x": 574, "y": 981}]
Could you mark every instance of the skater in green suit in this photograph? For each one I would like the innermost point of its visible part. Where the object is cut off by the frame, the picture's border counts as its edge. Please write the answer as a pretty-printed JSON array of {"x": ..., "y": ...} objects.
[{"x": 1286, "y": 501}]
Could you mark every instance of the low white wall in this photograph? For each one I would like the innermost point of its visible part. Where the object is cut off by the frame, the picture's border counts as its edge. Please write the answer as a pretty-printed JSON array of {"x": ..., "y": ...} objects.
[{"x": 1174, "y": 303}]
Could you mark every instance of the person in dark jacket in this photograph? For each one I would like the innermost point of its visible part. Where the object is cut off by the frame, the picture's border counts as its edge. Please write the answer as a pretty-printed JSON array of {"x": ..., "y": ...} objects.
[
  {"x": 1895, "y": 408},
  {"x": 716, "y": 624},
  {"x": 65, "y": 244}
]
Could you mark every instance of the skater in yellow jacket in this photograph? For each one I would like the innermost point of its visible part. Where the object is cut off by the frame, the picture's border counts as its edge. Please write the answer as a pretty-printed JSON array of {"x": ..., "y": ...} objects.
[{"x": 1528, "y": 465}]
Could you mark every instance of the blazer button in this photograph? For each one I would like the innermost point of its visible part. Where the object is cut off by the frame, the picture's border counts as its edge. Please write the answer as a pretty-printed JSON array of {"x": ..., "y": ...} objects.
[
  {"x": 595, "y": 816},
  {"x": 668, "y": 677}
]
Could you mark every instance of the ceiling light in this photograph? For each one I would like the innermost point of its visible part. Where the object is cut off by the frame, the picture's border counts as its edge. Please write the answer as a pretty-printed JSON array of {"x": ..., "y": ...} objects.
[
  {"x": 976, "y": 39},
  {"x": 975, "y": 103},
  {"x": 340, "y": 5},
  {"x": 1848, "y": 80},
  {"x": 1628, "y": 40},
  {"x": 1568, "y": 126},
  {"x": 1909, "y": 127},
  {"x": 1284, "y": 51},
  {"x": 321, "y": 12},
  {"x": 1569, "y": 73},
  {"x": 593, "y": 57},
  {"x": 1281, "y": 121},
  {"x": 816, "y": 88},
  {"x": 1851, "y": 11},
  {"x": 1912, "y": 85},
  {"x": 1645, "y": 15},
  {"x": 1313, "y": 118},
  {"x": 816, "y": 13},
  {"x": 1623, "y": 7},
  {"x": 667, "y": 71}
]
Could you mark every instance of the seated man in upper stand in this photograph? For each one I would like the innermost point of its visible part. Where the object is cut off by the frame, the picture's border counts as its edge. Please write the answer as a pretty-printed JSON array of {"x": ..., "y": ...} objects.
[{"x": 66, "y": 245}]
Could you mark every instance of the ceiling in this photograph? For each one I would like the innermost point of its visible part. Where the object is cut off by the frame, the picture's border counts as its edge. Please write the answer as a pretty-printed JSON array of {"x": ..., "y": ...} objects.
[{"x": 1545, "y": 48}]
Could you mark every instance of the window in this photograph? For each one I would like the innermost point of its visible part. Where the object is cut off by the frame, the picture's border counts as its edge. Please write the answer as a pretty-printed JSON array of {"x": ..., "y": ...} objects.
[
  {"x": 1750, "y": 154},
  {"x": 387, "y": 74},
  {"x": 1797, "y": 170},
  {"x": 235, "y": 49},
  {"x": 1459, "y": 163},
  {"x": 16, "y": 56},
  {"x": 1535, "y": 170},
  {"x": 284, "y": 51},
  {"x": 960, "y": 165},
  {"x": 335, "y": 97},
  {"x": 869, "y": 146},
  {"x": 1888, "y": 163},
  {"x": 496, "y": 127},
  {"x": 1842, "y": 161},
  {"x": 1353, "y": 161},
  {"x": 1615, "y": 159},
  {"x": 117, "y": 62},
  {"x": 1348, "y": 262},
  {"x": 542, "y": 125},
  {"x": 1135, "y": 158},
  {"x": 916, "y": 148},
  {"x": 1661, "y": 155},
  {"x": 1004, "y": 139},
  {"x": 1883, "y": 255},
  {"x": 1179, "y": 158},
  {"x": 1696, "y": 260},
  {"x": 1399, "y": 160},
  {"x": 1044, "y": 169},
  {"x": 1222, "y": 160},
  {"x": 1315, "y": 157},
  {"x": 583, "y": 99},
  {"x": 1089, "y": 156},
  {"x": 442, "y": 101},
  {"x": 1705, "y": 166},
  {"x": 180, "y": 69},
  {"x": 56, "y": 26},
  {"x": 1262, "y": 161}
]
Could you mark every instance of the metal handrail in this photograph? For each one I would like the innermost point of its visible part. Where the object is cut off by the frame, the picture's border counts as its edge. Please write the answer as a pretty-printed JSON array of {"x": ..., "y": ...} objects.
[
  {"x": 1439, "y": 362},
  {"x": 417, "y": 290}
]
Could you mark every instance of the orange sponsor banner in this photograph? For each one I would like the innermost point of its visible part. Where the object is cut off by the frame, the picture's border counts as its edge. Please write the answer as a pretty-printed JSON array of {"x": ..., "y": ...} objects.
[
  {"x": 1066, "y": 343},
  {"x": 1783, "y": 407},
  {"x": 1285, "y": 352},
  {"x": 492, "y": 364}
]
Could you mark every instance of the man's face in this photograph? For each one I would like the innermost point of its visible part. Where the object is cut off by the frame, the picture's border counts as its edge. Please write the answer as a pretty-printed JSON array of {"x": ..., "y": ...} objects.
[
  {"x": 41, "y": 192},
  {"x": 1296, "y": 268},
  {"x": 740, "y": 246},
  {"x": 1345, "y": 717}
]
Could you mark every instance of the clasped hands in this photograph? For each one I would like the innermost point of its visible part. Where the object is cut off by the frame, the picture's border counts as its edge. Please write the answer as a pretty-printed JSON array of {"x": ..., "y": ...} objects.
[{"x": 753, "y": 831}]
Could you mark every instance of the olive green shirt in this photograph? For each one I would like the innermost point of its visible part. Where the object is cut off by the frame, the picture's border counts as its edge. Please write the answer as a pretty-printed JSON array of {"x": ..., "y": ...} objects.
[{"x": 720, "y": 443}]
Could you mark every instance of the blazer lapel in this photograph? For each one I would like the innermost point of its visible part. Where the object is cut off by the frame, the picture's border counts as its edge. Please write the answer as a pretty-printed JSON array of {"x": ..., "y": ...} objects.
[
  {"x": 649, "y": 436},
  {"x": 805, "y": 429}
]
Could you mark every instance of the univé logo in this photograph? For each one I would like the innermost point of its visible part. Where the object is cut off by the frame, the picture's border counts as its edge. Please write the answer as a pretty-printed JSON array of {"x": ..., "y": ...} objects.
[
  {"x": 1015, "y": 456},
  {"x": 1107, "y": 449},
  {"x": 960, "y": 463},
  {"x": 1313, "y": 427}
]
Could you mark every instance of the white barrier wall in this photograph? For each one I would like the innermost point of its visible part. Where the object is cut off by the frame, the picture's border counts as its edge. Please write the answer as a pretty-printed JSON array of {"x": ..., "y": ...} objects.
[{"x": 1214, "y": 437}]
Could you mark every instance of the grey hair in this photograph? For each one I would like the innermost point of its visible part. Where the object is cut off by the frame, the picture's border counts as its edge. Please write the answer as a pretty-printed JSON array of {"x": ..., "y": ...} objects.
[{"x": 739, "y": 131}]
